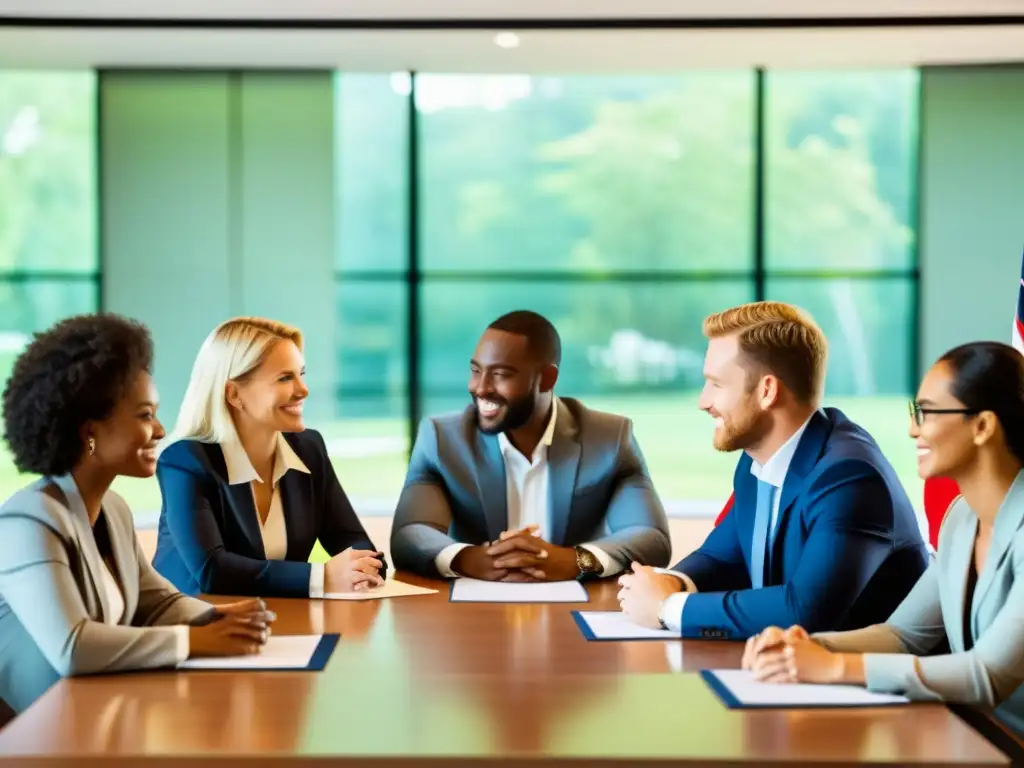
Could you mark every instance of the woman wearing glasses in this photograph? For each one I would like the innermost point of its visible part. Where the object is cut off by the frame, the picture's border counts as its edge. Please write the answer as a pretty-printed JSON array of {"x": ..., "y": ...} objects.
[{"x": 959, "y": 635}]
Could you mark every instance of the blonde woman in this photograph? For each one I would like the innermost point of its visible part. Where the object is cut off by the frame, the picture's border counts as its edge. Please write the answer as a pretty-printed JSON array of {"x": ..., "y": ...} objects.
[{"x": 247, "y": 489}]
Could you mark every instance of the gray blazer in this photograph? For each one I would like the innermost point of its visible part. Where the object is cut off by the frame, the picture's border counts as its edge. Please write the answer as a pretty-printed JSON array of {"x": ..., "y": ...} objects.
[
  {"x": 989, "y": 675},
  {"x": 600, "y": 491},
  {"x": 52, "y": 602}
]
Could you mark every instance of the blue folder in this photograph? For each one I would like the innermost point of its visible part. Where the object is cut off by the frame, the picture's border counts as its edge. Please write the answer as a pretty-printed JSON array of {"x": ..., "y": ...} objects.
[
  {"x": 732, "y": 702},
  {"x": 588, "y": 633},
  {"x": 323, "y": 652},
  {"x": 317, "y": 661}
]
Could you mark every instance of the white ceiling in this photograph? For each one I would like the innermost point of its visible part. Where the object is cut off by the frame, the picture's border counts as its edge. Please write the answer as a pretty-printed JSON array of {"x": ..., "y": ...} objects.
[
  {"x": 500, "y": 9},
  {"x": 474, "y": 50}
]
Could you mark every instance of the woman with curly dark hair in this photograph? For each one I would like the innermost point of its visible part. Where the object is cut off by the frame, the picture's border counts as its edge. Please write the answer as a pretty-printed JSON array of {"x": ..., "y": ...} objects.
[{"x": 77, "y": 596}]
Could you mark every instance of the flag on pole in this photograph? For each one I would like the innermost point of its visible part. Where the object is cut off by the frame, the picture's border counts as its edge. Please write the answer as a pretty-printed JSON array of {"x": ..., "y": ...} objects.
[{"x": 1018, "y": 321}]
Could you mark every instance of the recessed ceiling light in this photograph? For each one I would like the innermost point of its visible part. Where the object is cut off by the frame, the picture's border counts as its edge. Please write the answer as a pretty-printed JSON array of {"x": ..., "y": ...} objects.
[{"x": 506, "y": 40}]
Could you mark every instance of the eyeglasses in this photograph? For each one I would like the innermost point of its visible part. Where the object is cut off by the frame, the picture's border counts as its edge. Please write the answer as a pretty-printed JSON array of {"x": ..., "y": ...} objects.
[{"x": 917, "y": 413}]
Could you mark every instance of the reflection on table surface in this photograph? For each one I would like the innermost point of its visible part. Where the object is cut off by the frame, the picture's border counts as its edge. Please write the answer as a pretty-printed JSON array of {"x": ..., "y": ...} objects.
[{"x": 421, "y": 677}]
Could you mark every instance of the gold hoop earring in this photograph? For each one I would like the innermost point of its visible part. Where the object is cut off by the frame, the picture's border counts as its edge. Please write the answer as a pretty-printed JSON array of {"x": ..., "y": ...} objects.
[{"x": 92, "y": 445}]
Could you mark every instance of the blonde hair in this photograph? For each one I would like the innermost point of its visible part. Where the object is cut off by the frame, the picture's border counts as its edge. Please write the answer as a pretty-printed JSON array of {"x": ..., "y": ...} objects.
[
  {"x": 234, "y": 349},
  {"x": 778, "y": 338}
]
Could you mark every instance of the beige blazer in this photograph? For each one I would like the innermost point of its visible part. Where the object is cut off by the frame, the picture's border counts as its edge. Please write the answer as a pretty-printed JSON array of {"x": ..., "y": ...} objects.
[
  {"x": 900, "y": 654},
  {"x": 53, "y": 604}
]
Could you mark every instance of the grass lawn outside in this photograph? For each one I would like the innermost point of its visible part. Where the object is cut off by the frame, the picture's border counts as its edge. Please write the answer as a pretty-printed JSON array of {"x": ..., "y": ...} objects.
[{"x": 370, "y": 455}]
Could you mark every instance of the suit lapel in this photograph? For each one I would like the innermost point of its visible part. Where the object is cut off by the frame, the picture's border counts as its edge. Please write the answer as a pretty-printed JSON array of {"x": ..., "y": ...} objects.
[
  {"x": 243, "y": 507},
  {"x": 808, "y": 451},
  {"x": 1008, "y": 522},
  {"x": 745, "y": 506},
  {"x": 563, "y": 465},
  {"x": 490, "y": 480},
  {"x": 297, "y": 495},
  {"x": 86, "y": 540},
  {"x": 961, "y": 551},
  {"x": 122, "y": 543},
  {"x": 240, "y": 499}
]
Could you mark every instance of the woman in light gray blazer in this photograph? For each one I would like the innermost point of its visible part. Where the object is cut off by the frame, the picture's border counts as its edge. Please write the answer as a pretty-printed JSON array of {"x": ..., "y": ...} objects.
[
  {"x": 959, "y": 635},
  {"x": 77, "y": 596}
]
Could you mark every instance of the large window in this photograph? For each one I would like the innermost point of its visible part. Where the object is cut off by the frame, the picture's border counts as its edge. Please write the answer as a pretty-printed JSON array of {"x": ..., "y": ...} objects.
[
  {"x": 48, "y": 256},
  {"x": 620, "y": 208},
  {"x": 840, "y": 171},
  {"x": 625, "y": 209},
  {"x": 369, "y": 442}
]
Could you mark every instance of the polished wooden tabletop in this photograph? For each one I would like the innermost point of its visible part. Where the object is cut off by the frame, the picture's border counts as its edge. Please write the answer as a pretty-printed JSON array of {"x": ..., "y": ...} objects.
[{"x": 421, "y": 679}]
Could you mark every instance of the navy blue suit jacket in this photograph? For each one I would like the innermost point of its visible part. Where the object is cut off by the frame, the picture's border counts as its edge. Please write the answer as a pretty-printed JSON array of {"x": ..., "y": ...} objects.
[
  {"x": 847, "y": 546},
  {"x": 209, "y": 538}
]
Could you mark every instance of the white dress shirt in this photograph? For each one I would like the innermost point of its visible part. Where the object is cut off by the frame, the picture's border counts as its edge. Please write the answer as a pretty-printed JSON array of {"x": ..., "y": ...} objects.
[
  {"x": 772, "y": 472},
  {"x": 273, "y": 530},
  {"x": 115, "y": 599},
  {"x": 527, "y": 499},
  {"x": 113, "y": 594}
]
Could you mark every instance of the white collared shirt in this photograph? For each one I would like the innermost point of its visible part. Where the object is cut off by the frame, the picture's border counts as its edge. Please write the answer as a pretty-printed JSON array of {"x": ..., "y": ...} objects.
[
  {"x": 772, "y": 472},
  {"x": 113, "y": 593},
  {"x": 528, "y": 501},
  {"x": 273, "y": 530}
]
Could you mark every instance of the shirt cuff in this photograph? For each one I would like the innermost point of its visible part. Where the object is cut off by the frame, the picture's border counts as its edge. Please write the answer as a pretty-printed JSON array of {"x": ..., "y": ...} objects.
[
  {"x": 181, "y": 646},
  {"x": 671, "y": 612},
  {"x": 316, "y": 579},
  {"x": 896, "y": 673},
  {"x": 443, "y": 561},
  {"x": 687, "y": 581},
  {"x": 609, "y": 567}
]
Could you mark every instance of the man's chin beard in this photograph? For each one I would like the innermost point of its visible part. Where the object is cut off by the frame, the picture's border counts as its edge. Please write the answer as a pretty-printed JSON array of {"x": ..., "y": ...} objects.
[
  {"x": 497, "y": 429},
  {"x": 516, "y": 415},
  {"x": 727, "y": 442},
  {"x": 493, "y": 428},
  {"x": 732, "y": 440}
]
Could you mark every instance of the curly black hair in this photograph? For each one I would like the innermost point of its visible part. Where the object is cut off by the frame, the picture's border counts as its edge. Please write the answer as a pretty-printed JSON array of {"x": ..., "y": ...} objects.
[{"x": 73, "y": 373}]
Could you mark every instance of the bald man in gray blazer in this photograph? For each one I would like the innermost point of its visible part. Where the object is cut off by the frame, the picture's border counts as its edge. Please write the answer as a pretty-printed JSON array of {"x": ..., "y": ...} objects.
[
  {"x": 524, "y": 485},
  {"x": 599, "y": 497}
]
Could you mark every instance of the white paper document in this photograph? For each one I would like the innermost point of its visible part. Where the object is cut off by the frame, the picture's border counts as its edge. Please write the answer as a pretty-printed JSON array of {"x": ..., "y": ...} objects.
[
  {"x": 280, "y": 652},
  {"x": 615, "y": 625},
  {"x": 739, "y": 689},
  {"x": 477, "y": 591},
  {"x": 390, "y": 588}
]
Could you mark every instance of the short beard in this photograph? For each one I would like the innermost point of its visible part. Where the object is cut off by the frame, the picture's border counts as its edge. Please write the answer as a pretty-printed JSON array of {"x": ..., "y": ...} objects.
[
  {"x": 517, "y": 414},
  {"x": 742, "y": 430}
]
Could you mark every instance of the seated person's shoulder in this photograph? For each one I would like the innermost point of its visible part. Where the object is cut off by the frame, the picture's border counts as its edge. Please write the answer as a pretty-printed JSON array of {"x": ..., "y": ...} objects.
[
  {"x": 311, "y": 448},
  {"x": 850, "y": 446},
  {"x": 848, "y": 453},
  {"x": 844, "y": 465},
  {"x": 191, "y": 455},
  {"x": 457, "y": 427},
  {"x": 850, "y": 457},
  {"x": 308, "y": 441},
  {"x": 596, "y": 426},
  {"x": 119, "y": 515},
  {"x": 42, "y": 502}
]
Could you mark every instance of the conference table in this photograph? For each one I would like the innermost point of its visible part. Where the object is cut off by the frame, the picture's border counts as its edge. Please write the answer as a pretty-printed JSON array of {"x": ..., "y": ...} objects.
[{"x": 420, "y": 680}]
